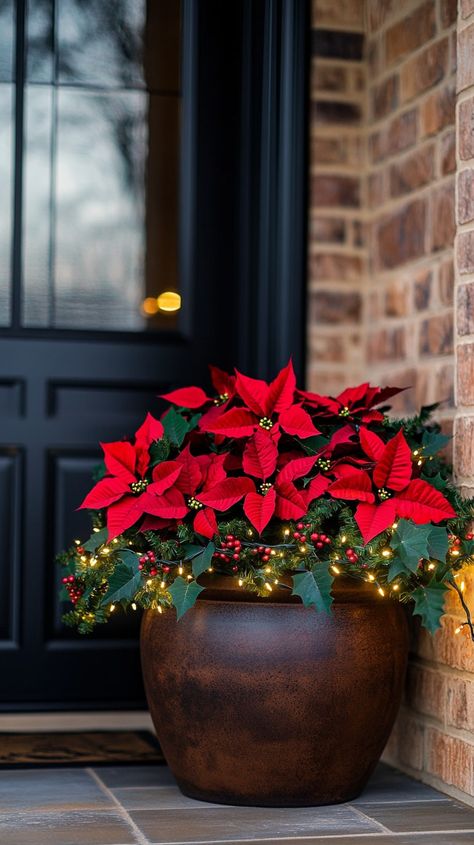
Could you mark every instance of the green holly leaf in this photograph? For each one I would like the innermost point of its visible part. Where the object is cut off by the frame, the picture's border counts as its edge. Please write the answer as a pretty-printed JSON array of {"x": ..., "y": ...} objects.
[
  {"x": 190, "y": 550},
  {"x": 97, "y": 538},
  {"x": 437, "y": 481},
  {"x": 312, "y": 445},
  {"x": 314, "y": 588},
  {"x": 202, "y": 561},
  {"x": 433, "y": 442},
  {"x": 123, "y": 584},
  {"x": 397, "y": 567},
  {"x": 175, "y": 427},
  {"x": 184, "y": 594},
  {"x": 438, "y": 543},
  {"x": 129, "y": 558},
  {"x": 429, "y": 604},
  {"x": 410, "y": 543}
]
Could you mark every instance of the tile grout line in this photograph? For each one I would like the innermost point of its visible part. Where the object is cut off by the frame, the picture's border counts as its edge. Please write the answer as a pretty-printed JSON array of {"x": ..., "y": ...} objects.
[
  {"x": 140, "y": 837},
  {"x": 315, "y": 837},
  {"x": 365, "y": 817}
]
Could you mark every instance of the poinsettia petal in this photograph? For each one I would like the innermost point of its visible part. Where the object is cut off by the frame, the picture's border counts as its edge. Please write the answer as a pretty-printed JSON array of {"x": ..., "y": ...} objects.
[
  {"x": 297, "y": 422},
  {"x": 253, "y": 391},
  {"x": 187, "y": 397},
  {"x": 164, "y": 476},
  {"x": 423, "y": 503},
  {"x": 149, "y": 431},
  {"x": 214, "y": 472},
  {"x": 384, "y": 393},
  {"x": 106, "y": 491},
  {"x": 289, "y": 503},
  {"x": 260, "y": 509},
  {"x": 156, "y": 523},
  {"x": 222, "y": 382},
  {"x": 373, "y": 519},
  {"x": 394, "y": 468},
  {"x": 295, "y": 469},
  {"x": 227, "y": 493},
  {"x": 371, "y": 416},
  {"x": 371, "y": 443},
  {"x": 281, "y": 391},
  {"x": 238, "y": 422},
  {"x": 122, "y": 515},
  {"x": 260, "y": 456},
  {"x": 205, "y": 523},
  {"x": 120, "y": 460},
  {"x": 357, "y": 486},
  {"x": 316, "y": 488},
  {"x": 353, "y": 395},
  {"x": 322, "y": 404},
  {"x": 191, "y": 474},
  {"x": 170, "y": 505}
]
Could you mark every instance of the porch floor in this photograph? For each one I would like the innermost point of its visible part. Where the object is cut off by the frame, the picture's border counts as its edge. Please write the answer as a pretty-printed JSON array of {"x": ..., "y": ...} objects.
[{"x": 142, "y": 805}]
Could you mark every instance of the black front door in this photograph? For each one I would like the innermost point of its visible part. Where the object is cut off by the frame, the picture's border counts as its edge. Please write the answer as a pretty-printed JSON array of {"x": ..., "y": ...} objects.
[{"x": 147, "y": 147}]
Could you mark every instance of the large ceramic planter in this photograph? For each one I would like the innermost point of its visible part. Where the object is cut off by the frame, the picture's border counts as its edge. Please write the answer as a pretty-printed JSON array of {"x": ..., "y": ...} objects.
[{"x": 268, "y": 703}]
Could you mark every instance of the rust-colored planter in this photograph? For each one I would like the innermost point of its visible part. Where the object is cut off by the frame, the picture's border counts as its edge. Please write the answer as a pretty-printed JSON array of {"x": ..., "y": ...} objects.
[{"x": 267, "y": 703}]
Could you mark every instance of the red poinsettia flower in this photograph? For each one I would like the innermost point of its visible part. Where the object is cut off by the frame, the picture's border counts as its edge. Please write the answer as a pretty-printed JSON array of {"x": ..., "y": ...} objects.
[
  {"x": 280, "y": 498},
  {"x": 207, "y": 488},
  {"x": 359, "y": 402},
  {"x": 391, "y": 491},
  {"x": 194, "y": 398},
  {"x": 125, "y": 491},
  {"x": 265, "y": 405}
]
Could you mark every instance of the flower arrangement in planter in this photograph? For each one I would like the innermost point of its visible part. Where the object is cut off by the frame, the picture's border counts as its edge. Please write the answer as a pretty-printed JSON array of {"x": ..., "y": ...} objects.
[
  {"x": 279, "y": 524},
  {"x": 260, "y": 480}
]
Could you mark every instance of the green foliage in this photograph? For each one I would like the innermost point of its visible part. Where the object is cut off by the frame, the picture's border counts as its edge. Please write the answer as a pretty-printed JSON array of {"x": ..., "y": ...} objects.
[
  {"x": 412, "y": 542},
  {"x": 429, "y": 604},
  {"x": 175, "y": 426},
  {"x": 314, "y": 588},
  {"x": 97, "y": 538},
  {"x": 433, "y": 441},
  {"x": 123, "y": 584},
  {"x": 202, "y": 560},
  {"x": 159, "y": 451},
  {"x": 184, "y": 595}
]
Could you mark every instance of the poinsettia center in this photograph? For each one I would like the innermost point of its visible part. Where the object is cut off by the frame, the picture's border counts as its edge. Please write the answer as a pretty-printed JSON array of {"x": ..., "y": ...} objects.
[
  {"x": 265, "y": 487},
  {"x": 194, "y": 504},
  {"x": 383, "y": 494},
  {"x": 138, "y": 487},
  {"x": 344, "y": 412},
  {"x": 265, "y": 423},
  {"x": 221, "y": 398},
  {"x": 324, "y": 464}
]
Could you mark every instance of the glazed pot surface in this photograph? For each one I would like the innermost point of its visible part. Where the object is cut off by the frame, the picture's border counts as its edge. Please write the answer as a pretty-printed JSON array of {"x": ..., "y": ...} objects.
[{"x": 273, "y": 704}]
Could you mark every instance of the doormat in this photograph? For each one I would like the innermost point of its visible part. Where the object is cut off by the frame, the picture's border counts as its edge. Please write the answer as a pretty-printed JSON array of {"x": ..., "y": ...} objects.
[{"x": 82, "y": 748}]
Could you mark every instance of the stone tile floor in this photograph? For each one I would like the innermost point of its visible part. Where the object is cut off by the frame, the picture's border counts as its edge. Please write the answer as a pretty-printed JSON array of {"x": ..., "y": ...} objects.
[{"x": 142, "y": 805}]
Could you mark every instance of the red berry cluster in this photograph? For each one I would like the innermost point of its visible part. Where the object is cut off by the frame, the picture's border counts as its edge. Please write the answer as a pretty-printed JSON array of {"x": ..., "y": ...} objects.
[
  {"x": 145, "y": 560},
  {"x": 351, "y": 555},
  {"x": 234, "y": 547},
  {"x": 320, "y": 540},
  {"x": 73, "y": 587},
  {"x": 469, "y": 536},
  {"x": 456, "y": 540},
  {"x": 263, "y": 551}
]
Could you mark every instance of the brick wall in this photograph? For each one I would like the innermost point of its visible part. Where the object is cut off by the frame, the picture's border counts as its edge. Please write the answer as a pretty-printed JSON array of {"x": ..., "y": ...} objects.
[{"x": 389, "y": 316}]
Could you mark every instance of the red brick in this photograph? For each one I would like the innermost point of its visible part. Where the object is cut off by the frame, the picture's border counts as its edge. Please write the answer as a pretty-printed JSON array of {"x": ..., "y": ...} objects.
[
  {"x": 386, "y": 345},
  {"x": 332, "y": 190},
  {"x": 436, "y": 335},
  {"x": 376, "y": 189},
  {"x": 460, "y": 703},
  {"x": 446, "y": 282},
  {"x": 423, "y": 71},
  {"x": 464, "y": 463},
  {"x": 423, "y": 290},
  {"x": 426, "y": 691},
  {"x": 466, "y": 129},
  {"x": 444, "y": 380},
  {"x": 328, "y": 150},
  {"x": 335, "y": 307},
  {"x": 410, "y": 741},
  {"x": 359, "y": 233},
  {"x": 451, "y": 759},
  {"x": 443, "y": 224},
  {"x": 349, "y": 13},
  {"x": 465, "y": 309},
  {"x": 467, "y": 8},
  {"x": 405, "y": 36},
  {"x": 328, "y": 347},
  {"x": 466, "y": 196},
  {"x": 454, "y": 650},
  {"x": 414, "y": 171},
  {"x": 399, "y": 135},
  {"x": 465, "y": 374},
  {"x": 465, "y": 75},
  {"x": 335, "y": 266},
  {"x": 465, "y": 252},
  {"x": 438, "y": 110},
  {"x": 401, "y": 237},
  {"x": 327, "y": 230},
  {"x": 448, "y": 12},
  {"x": 448, "y": 153},
  {"x": 385, "y": 97},
  {"x": 327, "y": 77},
  {"x": 396, "y": 299}
]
